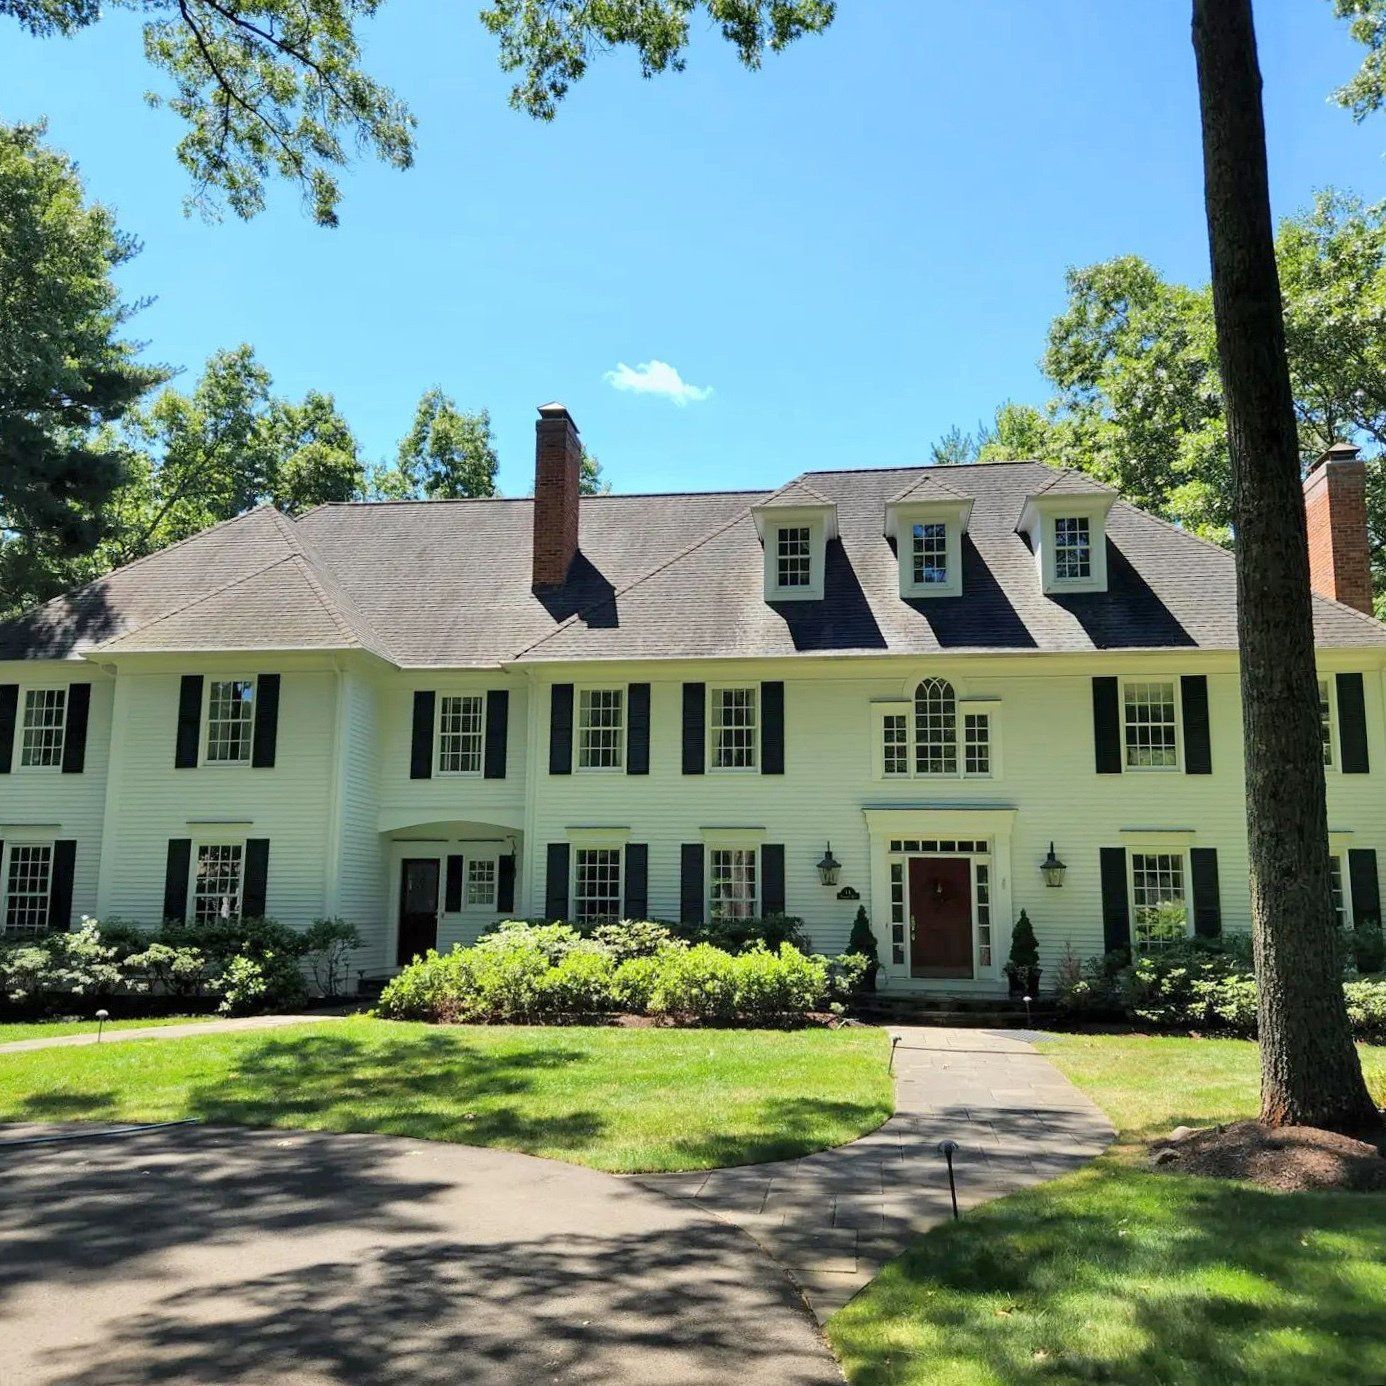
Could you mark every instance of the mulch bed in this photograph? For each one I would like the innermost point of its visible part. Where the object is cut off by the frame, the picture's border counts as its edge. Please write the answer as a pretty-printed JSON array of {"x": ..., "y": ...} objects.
[{"x": 1285, "y": 1159}]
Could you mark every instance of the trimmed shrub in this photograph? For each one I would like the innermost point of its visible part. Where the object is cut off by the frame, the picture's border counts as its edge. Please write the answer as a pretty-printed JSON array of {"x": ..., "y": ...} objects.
[
  {"x": 634, "y": 938},
  {"x": 249, "y": 985},
  {"x": 1366, "y": 1003},
  {"x": 736, "y": 935},
  {"x": 697, "y": 983},
  {"x": 553, "y": 940},
  {"x": 633, "y": 984},
  {"x": 862, "y": 943},
  {"x": 580, "y": 983}
]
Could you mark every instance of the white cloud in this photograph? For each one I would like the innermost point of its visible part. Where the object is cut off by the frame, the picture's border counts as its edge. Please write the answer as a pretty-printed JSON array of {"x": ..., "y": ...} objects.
[{"x": 656, "y": 378}]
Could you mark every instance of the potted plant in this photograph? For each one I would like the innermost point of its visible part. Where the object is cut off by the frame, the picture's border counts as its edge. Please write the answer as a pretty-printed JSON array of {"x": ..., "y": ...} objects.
[
  {"x": 1022, "y": 968},
  {"x": 863, "y": 942}
]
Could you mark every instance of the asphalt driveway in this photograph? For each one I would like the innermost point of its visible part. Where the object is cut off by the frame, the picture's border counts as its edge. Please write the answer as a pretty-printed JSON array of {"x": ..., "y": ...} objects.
[{"x": 219, "y": 1255}]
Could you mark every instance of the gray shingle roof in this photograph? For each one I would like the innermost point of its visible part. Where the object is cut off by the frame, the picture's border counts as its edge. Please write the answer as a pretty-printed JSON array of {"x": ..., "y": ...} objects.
[{"x": 660, "y": 576}]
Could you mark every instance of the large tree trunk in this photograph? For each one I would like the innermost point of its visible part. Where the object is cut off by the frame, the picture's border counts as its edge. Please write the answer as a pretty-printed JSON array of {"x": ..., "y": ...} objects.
[{"x": 1310, "y": 1073}]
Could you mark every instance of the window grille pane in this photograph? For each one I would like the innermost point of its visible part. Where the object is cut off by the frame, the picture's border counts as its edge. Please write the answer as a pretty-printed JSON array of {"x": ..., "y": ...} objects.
[
  {"x": 217, "y": 886},
  {"x": 1326, "y": 722},
  {"x": 732, "y": 893},
  {"x": 45, "y": 716},
  {"x": 481, "y": 882},
  {"x": 935, "y": 729},
  {"x": 27, "y": 888},
  {"x": 895, "y": 748},
  {"x": 459, "y": 734},
  {"x": 929, "y": 553},
  {"x": 983, "y": 898},
  {"x": 793, "y": 557},
  {"x": 897, "y": 893},
  {"x": 1152, "y": 737},
  {"x": 977, "y": 743},
  {"x": 1335, "y": 886},
  {"x": 230, "y": 720},
  {"x": 734, "y": 728},
  {"x": 597, "y": 885},
  {"x": 1072, "y": 548},
  {"x": 1157, "y": 890},
  {"x": 601, "y": 728}
]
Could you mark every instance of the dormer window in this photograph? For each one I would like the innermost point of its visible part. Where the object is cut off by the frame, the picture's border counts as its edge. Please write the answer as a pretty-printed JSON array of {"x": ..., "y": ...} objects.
[
  {"x": 1066, "y": 524},
  {"x": 1072, "y": 548},
  {"x": 795, "y": 526},
  {"x": 929, "y": 552},
  {"x": 927, "y": 521},
  {"x": 794, "y": 556}
]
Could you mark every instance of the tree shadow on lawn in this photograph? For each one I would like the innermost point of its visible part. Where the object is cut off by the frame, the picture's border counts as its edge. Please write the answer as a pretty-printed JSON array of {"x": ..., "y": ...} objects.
[{"x": 1123, "y": 1275}]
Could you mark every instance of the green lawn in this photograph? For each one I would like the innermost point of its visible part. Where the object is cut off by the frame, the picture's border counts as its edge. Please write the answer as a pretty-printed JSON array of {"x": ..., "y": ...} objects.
[
  {"x": 47, "y": 1029},
  {"x": 610, "y": 1098},
  {"x": 1119, "y": 1274}
]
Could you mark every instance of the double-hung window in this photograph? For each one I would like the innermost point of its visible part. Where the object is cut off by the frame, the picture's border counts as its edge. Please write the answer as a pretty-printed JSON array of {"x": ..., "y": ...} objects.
[
  {"x": 481, "y": 883},
  {"x": 938, "y": 736},
  {"x": 1160, "y": 907},
  {"x": 1326, "y": 722},
  {"x": 28, "y": 887},
  {"x": 734, "y": 728},
  {"x": 230, "y": 721},
  {"x": 45, "y": 719},
  {"x": 596, "y": 884},
  {"x": 461, "y": 723},
  {"x": 794, "y": 556},
  {"x": 929, "y": 553},
  {"x": 217, "y": 880},
  {"x": 1072, "y": 548},
  {"x": 601, "y": 728},
  {"x": 1151, "y": 718},
  {"x": 732, "y": 883}
]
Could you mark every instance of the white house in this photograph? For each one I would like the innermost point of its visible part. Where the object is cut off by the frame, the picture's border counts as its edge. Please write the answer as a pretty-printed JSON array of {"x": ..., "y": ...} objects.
[{"x": 427, "y": 716}]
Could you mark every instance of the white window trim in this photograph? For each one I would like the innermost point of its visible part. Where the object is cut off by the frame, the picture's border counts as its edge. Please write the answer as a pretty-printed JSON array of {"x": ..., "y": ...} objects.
[
  {"x": 23, "y": 839},
  {"x": 1000, "y": 947},
  {"x": 733, "y": 842},
  {"x": 1333, "y": 742},
  {"x": 883, "y": 708},
  {"x": 578, "y": 690},
  {"x": 1178, "y": 767},
  {"x": 1096, "y": 516},
  {"x": 17, "y": 749},
  {"x": 709, "y": 759},
  {"x": 468, "y": 857},
  {"x": 206, "y": 731},
  {"x": 953, "y": 516},
  {"x": 198, "y": 843},
  {"x": 788, "y": 518},
  {"x": 1172, "y": 844},
  {"x": 438, "y": 735},
  {"x": 594, "y": 844}
]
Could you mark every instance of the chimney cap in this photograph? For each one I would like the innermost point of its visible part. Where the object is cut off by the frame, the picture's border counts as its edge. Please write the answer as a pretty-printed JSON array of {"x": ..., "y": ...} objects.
[
  {"x": 555, "y": 410},
  {"x": 1340, "y": 451}
]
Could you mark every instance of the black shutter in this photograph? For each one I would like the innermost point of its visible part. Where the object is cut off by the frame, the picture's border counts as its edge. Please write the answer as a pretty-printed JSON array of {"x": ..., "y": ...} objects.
[
  {"x": 1198, "y": 751},
  {"x": 772, "y": 728},
  {"x": 421, "y": 738},
  {"x": 1352, "y": 725},
  {"x": 255, "y": 879},
  {"x": 561, "y": 736},
  {"x": 556, "y": 887},
  {"x": 637, "y": 903},
  {"x": 1106, "y": 725},
  {"x": 772, "y": 878},
  {"x": 9, "y": 712},
  {"x": 694, "y": 732},
  {"x": 1366, "y": 887},
  {"x": 266, "y": 722},
  {"x": 691, "y": 880},
  {"x": 75, "y": 734},
  {"x": 1207, "y": 903},
  {"x": 505, "y": 884},
  {"x": 497, "y": 732},
  {"x": 638, "y": 737},
  {"x": 452, "y": 898},
  {"x": 189, "y": 723},
  {"x": 176, "y": 879},
  {"x": 1116, "y": 913},
  {"x": 60, "y": 885}
]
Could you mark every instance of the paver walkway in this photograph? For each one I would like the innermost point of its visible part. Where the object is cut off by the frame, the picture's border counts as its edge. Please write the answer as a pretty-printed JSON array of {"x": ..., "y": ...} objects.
[
  {"x": 835, "y": 1218},
  {"x": 195, "y": 1027}
]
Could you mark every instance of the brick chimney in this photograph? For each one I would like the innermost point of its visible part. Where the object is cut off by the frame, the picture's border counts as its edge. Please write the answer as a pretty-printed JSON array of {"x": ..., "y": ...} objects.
[
  {"x": 557, "y": 472},
  {"x": 1335, "y": 507}
]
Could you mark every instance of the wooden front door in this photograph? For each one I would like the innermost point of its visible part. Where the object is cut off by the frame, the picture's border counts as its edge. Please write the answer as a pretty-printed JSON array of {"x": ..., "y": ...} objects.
[
  {"x": 418, "y": 908},
  {"x": 940, "y": 917}
]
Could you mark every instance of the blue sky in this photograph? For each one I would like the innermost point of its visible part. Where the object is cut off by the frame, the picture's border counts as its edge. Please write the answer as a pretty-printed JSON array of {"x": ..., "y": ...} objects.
[{"x": 850, "y": 250}]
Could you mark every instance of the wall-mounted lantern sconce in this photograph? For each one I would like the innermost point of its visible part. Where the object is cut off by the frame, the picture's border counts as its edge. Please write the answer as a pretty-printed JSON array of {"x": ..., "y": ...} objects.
[
  {"x": 829, "y": 867},
  {"x": 1052, "y": 869}
]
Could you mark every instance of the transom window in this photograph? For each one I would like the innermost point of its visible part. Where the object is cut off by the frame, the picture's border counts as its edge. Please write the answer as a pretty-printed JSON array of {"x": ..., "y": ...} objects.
[
  {"x": 481, "y": 882},
  {"x": 1152, "y": 726},
  {"x": 28, "y": 885},
  {"x": 45, "y": 716},
  {"x": 732, "y": 883},
  {"x": 937, "y": 739},
  {"x": 460, "y": 722},
  {"x": 230, "y": 720},
  {"x": 217, "y": 882},
  {"x": 734, "y": 728},
  {"x": 596, "y": 884},
  {"x": 1161, "y": 911},
  {"x": 1326, "y": 722},
  {"x": 793, "y": 556},
  {"x": 1072, "y": 548},
  {"x": 929, "y": 553},
  {"x": 601, "y": 728}
]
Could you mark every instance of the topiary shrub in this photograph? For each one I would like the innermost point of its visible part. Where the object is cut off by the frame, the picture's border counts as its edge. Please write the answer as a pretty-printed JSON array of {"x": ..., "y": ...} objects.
[
  {"x": 862, "y": 942},
  {"x": 1022, "y": 967}
]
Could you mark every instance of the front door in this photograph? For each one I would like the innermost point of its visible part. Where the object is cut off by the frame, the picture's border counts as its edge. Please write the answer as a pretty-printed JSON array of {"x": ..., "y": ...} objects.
[
  {"x": 940, "y": 917},
  {"x": 418, "y": 908}
]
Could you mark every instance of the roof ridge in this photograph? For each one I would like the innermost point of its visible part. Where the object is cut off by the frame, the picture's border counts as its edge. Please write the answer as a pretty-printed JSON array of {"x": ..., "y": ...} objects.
[
  {"x": 529, "y": 500},
  {"x": 340, "y": 604},
  {"x": 799, "y": 483}
]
